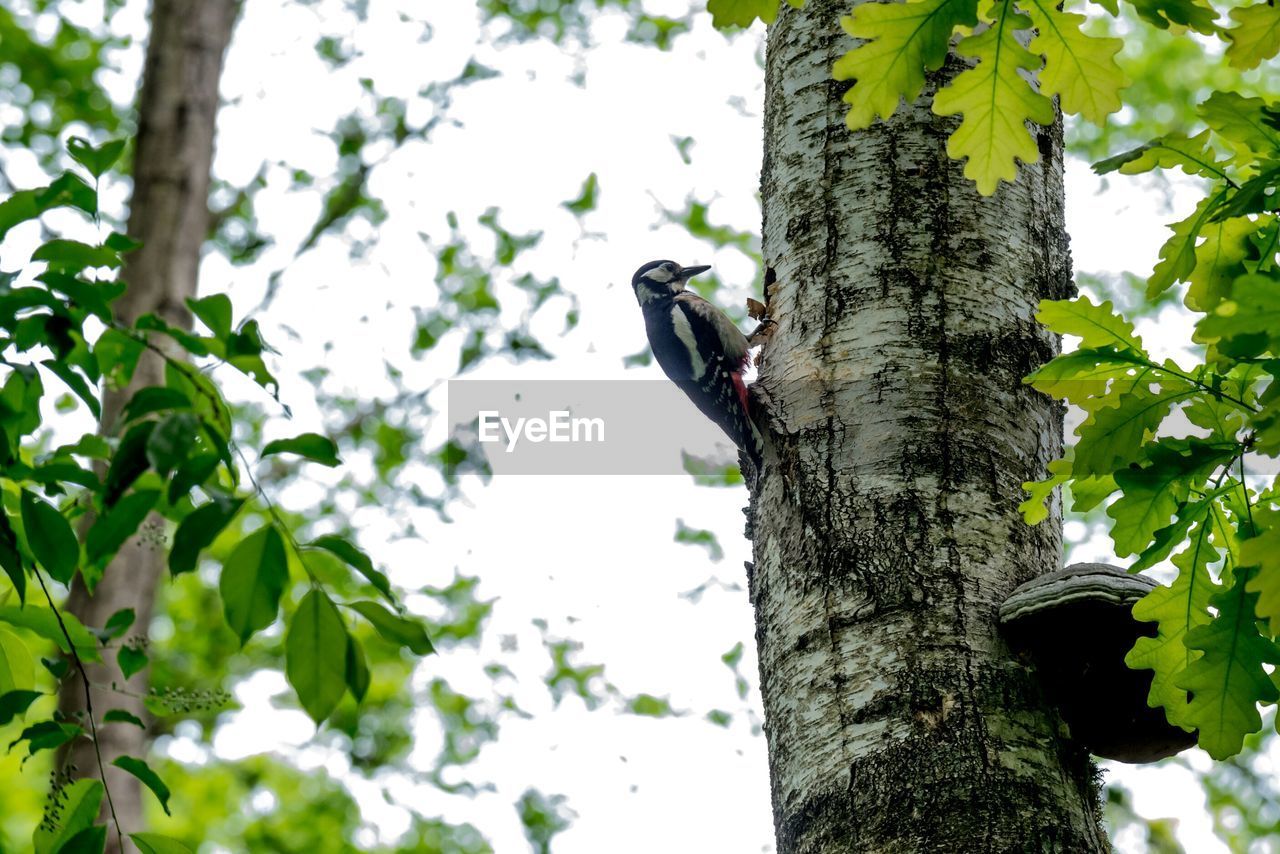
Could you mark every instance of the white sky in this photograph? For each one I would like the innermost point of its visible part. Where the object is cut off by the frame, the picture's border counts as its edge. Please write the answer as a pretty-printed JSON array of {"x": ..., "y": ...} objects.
[{"x": 592, "y": 556}]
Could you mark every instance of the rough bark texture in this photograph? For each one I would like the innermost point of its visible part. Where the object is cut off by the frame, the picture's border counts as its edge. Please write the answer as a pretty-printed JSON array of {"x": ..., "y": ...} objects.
[
  {"x": 887, "y": 532},
  {"x": 169, "y": 213}
]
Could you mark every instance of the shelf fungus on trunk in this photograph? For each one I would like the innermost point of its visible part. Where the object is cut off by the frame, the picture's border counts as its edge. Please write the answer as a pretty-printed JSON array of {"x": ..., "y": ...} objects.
[{"x": 1076, "y": 625}]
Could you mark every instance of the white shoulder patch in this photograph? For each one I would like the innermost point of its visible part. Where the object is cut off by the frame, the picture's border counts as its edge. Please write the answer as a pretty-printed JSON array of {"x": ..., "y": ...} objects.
[{"x": 684, "y": 332}]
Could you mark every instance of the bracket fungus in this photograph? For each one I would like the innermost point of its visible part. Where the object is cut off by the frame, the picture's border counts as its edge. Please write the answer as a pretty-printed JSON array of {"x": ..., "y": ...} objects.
[{"x": 1076, "y": 625}]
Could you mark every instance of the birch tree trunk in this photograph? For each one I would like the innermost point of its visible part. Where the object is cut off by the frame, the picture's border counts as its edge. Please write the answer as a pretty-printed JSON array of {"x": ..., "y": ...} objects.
[
  {"x": 887, "y": 533},
  {"x": 169, "y": 214}
]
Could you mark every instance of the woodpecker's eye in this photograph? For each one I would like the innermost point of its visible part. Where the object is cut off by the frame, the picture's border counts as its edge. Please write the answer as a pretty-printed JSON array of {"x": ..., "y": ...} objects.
[{"x": 670, "y": 268}]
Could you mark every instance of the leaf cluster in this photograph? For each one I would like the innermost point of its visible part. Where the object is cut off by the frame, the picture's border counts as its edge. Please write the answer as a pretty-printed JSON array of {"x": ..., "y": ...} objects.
[
  {"x": 165, "y": 472},
  {"x": 1186, "y": 454}
]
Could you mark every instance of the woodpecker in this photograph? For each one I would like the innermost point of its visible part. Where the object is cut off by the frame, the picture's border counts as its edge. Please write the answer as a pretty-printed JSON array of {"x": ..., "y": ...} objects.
[{"x": 700, "y": 349}]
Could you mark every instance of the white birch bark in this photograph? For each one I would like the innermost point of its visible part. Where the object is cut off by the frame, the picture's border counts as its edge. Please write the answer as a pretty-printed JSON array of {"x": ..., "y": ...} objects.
[{"x": 887, "y": 532}]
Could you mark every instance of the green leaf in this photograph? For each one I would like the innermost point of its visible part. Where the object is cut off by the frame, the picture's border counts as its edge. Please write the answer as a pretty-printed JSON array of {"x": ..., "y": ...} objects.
[
  {"x": 149, "y": 778},
  {"x": 1173, "y": 151},
  {"x": 1080, "y": 69},
  {"x": 315, "y": 649},
  {"x": 996, "y": 101},
  {"x": 1095, "y": 325},
  {"x": 1178, "y": 254},
  {"x": 121, "y": 716},
  {"x": 117, "y": 356},
  {"x": 131, "y": 660},
  {"x": 1152, "y": 494},
  {"x": 312, "y": 446},
  {"x": 214, "y": 312},
  {"x": 1263, "y": 552},
  {"x": 91, "y": 840},
  {"x": 46, "y": 735},
  {"x": 129, "y": 462},
  {"x": 170, "y": 442},
  {"x": 17, "y": 667},
  {"x": 154, "y": 398},
  {"x": 118, "y": 524},
  {"x": 10, "y": 558},
  {"x": 15, "y": 703},
  {"x": 44, "y": 623},
  {"x": 741, "y": 13},
  {"x": 901, "y": 42},
  {"x": 357, "y": 560},
  {"x": 73, "y": 255},
  {"x": 98, "y": 160},
  {"x": 587, "y": 199},
  {"x": 1219, "y": 261},
  {"x": 154, "y": 843},
  {"x": 252, "y": 581},
  {"x": 1035, "y": 509},
  {"x": 401, "y": 631},
  {"x": 199, "y": 529},
  {"x": 50, "y": 536},
  {"x": 1114, "y": 436},
  {"x": 1228, "y": 681},
  {"x": 357, "y": 669},
  {"x": 76, "y": 383},
  {"x": 80, "y": 803},
  {"x": 68, "y": 190},
  {"x": 1256, "y": 36},
  {"x": 1176, "y": 610},
  {"x": 1254, "y": 308},
  {"x": 193, "y": 471},
  {"x": 1242, "y": 121}
]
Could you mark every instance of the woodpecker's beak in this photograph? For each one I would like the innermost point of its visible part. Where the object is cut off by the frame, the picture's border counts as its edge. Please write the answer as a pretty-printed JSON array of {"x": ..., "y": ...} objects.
[{"x": 690, "y": 272}]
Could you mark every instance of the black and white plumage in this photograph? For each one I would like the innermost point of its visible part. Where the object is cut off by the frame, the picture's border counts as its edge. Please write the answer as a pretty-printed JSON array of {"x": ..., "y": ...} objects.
[{"x": 700, "y": 349}]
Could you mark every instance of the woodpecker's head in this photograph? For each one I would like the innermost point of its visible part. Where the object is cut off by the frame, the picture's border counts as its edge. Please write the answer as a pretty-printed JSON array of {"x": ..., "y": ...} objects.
[{"x": 662, "y": 279}]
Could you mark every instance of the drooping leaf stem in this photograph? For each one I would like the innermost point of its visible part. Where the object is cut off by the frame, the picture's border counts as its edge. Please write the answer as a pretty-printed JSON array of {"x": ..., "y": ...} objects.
[{"x": 88, "y": 702}]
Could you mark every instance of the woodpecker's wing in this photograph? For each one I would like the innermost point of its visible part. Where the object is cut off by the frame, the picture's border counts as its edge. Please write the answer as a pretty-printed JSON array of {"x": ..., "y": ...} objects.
[
  {"x": 710, "y": 324},
  {"x": 718, "y": 359}
]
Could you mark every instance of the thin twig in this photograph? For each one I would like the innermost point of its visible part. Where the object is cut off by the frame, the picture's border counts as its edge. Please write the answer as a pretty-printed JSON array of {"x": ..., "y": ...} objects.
[{"x": 88, "y": 702}]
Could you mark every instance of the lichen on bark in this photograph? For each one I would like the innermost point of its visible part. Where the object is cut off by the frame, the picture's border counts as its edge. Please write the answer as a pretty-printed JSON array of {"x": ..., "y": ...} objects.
[{"x": 887, "y": 532}]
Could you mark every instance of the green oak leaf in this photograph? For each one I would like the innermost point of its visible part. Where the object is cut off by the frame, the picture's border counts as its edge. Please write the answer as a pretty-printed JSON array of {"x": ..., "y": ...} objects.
[
  {"x": 1219, "y": 261},
  {"x": 1080, "y": 69},
  {"x": 1191, "y": 14},
  {"x": 1253, "y": 309},
  {"x": 1095, "y": 325},
  {"x": 901, "y": 41},
  {"x": 1087, "y": 377},
  {"x": 1192, "y": 155},
  {"x": 1176, "y": 609},
  {"x": 1263, "y": 552},
  {"x": 1242, "y": 121},
  {"x": 996, "y": 101},
  {"x": 1152, "y": 494},
  {"x": 1256, "y": 36},
  {"x": 743, "y": 13},
  {"x": 1229, "y": 680},
  {"x": 1114, "y": 436},
  {"x": 1035, "y": 509},
  {"x": 1178, "y": 255}
]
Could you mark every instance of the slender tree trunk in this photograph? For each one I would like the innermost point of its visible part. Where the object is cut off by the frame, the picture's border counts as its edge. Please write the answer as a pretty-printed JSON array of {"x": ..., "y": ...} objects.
[
  {"x": 888, "y": 533},
  {"x": 169, "y": 213}
]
